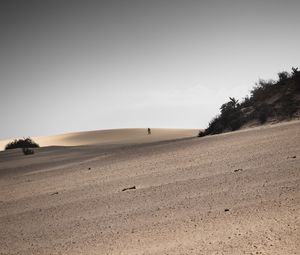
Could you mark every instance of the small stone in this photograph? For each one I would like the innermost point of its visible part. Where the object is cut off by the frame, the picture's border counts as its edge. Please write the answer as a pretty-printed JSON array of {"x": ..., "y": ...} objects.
[
  {"x": 133, "y": 187},
  {"x": 238, "y": 170},
  {"x": 226, "y": 210}
]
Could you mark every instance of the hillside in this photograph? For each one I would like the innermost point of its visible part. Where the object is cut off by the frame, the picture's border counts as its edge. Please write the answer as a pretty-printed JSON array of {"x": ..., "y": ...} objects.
[
  {"x": 268, "y": 101},
  {"x": 234, "y": 193}
]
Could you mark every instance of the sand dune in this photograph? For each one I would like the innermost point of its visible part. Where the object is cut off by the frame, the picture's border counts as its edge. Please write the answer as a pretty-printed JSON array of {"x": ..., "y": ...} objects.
[
  {"x": 235, "y": 193},
  {"x": 111, "y": 136}
]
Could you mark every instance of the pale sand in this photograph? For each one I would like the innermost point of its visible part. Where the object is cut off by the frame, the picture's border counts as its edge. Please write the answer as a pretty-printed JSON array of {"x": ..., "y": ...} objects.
[
  {"x": 51, "y": 203},
  {"x": 111, "y": 136}
]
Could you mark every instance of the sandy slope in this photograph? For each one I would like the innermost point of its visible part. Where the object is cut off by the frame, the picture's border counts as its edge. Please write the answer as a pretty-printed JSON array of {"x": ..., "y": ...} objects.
[
  {"x": 111, "y": 136},
  {"x": 52, "y": 203}
]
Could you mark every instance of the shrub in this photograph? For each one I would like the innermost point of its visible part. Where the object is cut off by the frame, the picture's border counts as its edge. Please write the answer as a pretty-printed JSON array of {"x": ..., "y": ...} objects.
[
  {"x": 24, "y": 143},
  {"x": 236, "y": 122},
  {"x": 283, "y": 76},
  {"x": 201, "y": 133},
  {"x": 289, "y": 106},
  {"x": 215, "y": 126},
  {"x": 247, "y": 102},
  {"x": 27, "y": 151},
  {"x": 263, "y": 113},
  {"x": 262, "y": 90}
]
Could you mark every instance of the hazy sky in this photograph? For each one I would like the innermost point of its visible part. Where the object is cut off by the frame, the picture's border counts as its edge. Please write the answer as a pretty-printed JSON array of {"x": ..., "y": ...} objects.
[{"x": 82, "y": 65}]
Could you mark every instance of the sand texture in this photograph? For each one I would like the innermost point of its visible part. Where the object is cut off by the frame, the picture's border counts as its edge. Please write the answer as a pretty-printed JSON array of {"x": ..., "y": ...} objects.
[{"x": 235, "y": 193}]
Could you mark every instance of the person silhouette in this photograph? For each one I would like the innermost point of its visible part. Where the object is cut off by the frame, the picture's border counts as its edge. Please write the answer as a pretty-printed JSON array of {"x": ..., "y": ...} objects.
[{"x": 149, "y": 131}]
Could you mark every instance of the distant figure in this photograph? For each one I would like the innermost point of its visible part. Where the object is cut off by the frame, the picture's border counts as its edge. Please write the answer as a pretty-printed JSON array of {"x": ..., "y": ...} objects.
[{"x": 149, "y": 131}]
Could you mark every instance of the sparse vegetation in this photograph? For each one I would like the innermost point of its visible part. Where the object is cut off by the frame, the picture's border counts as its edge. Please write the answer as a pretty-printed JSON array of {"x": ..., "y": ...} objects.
[
  {"x": 24, "y": 144},
  {"x": 268, "y": 99},
  {"x": 201, "y": 133},
  {"x": 27, "y": 151}
]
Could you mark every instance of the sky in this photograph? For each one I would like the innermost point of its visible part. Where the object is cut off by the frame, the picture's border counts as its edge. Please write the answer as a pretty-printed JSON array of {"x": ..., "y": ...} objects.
[{"x": 69, "y": 66}]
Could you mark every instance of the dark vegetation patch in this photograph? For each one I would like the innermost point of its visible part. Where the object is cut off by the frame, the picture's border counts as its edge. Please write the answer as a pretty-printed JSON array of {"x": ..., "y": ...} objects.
[
  {"x": 278, "y": 100},
  {"x": 27, "y": 151},
  {"x": 24, "y": 143}
]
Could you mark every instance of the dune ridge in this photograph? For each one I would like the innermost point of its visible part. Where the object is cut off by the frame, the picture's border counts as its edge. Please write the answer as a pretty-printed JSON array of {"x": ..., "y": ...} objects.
[{"x": 111, "y": 136}]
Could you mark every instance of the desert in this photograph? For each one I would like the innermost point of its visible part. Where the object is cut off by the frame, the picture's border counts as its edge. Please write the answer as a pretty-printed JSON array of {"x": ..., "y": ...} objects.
[
  {"x": 144, "y": 127},
  {"x": 174, "y": 193}
]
